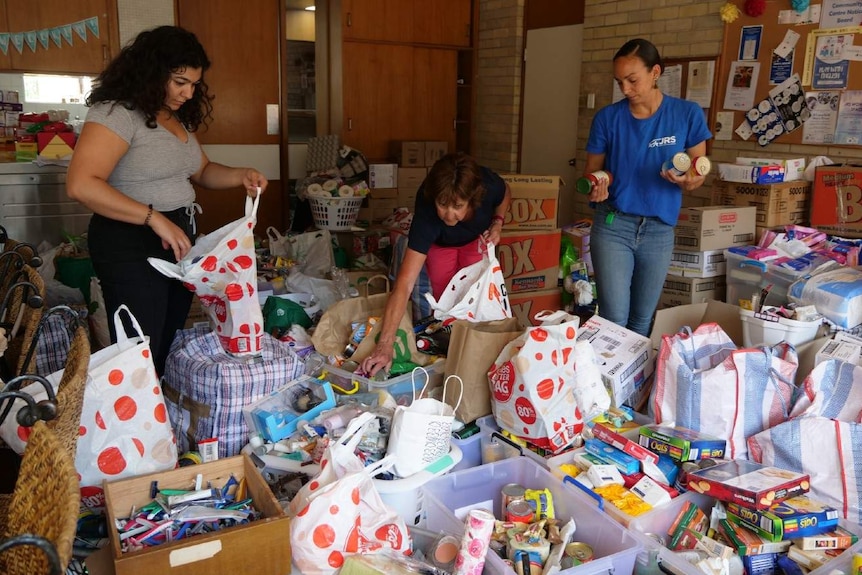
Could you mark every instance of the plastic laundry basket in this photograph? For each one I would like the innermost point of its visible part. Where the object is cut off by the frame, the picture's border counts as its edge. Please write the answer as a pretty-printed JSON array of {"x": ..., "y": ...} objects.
[{"x": 337, "y": 214}]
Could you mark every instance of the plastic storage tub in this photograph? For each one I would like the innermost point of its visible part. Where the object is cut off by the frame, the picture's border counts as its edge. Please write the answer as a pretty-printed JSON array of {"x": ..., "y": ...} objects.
[
  {"x": 757, "y": 330},
  {"x": 471, "y": 447},
  {"x": 346, "y": 382},
  {"x": 615, "y": 549},
  {"x": 746, "y": 276},
  {"x": 659, "y": 521}
]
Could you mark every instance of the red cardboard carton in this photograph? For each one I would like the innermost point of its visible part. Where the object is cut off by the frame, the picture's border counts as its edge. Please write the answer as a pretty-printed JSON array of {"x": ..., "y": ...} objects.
[
  {"x": 623, "y": 443},
  {"x": 836, "y": 200},
  {"x": 750, "y": 484}
]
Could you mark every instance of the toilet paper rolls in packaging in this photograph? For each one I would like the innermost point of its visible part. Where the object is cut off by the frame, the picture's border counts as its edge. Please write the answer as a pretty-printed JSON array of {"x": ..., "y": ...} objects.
[{"x": 316, "y": 190}]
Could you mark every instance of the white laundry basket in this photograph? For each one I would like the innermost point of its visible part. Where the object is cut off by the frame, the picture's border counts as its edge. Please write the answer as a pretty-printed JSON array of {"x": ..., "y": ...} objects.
[{"x": 336, "y": 214}]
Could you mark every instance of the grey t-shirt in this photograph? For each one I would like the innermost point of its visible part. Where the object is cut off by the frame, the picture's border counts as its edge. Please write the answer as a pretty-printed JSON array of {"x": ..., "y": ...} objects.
[{"x": 157, "y": 166}]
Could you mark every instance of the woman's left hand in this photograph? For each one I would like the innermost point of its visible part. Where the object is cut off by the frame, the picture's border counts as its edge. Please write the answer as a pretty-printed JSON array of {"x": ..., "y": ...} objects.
[
  {"x": 687, "y": 183},
  {"x": 252, "y": 180}
]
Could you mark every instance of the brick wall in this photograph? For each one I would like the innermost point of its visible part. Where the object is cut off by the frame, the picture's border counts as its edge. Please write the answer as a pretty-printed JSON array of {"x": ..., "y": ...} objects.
[{"x": 679, "y": 28}]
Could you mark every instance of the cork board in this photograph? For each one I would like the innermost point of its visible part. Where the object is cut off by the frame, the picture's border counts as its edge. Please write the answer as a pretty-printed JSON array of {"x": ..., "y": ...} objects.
[{"x": 783, "y": 77}]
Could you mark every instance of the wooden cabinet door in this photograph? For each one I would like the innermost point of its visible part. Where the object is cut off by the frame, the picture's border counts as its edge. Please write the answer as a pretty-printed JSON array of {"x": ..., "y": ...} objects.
[
  {"x": 81, "y": 57},
  {"x": 378, "y": 96},
  {"x": 435, "y": 75},
  {"x": 5, "y": 59},
  {"x": 443, "y": 22},
  {"x": 389, "y": 20}
]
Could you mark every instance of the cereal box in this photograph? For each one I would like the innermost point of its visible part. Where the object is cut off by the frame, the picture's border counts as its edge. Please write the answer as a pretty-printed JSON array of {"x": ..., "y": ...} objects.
[
  {"x": 750, "y": 484},
  {"x": 681, "y": 444}
]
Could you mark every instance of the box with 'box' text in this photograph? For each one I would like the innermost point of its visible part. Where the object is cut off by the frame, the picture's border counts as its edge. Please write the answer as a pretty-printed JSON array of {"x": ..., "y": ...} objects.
[{"x": 535, "y": 201}]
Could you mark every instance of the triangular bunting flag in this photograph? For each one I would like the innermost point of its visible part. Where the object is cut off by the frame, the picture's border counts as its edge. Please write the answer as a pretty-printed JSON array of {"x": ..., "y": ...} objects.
[
  {"x": 30, "y": 38},
  {"x": 80, "y": 29},
  {"x": 55, "y": 36},
  {"x": 66, "y": 33},
  {"x": 18, "y": 41},
  {"x": 43, "y": 37},
  {"x": 93, "y": 25},
  {"x": 4, "y": 42}
]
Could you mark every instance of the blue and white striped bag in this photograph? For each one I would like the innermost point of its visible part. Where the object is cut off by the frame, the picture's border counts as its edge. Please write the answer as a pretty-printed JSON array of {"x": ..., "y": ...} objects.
[
  {"x": 828, "y": 450},
  {"x": 704, "y": 383}
]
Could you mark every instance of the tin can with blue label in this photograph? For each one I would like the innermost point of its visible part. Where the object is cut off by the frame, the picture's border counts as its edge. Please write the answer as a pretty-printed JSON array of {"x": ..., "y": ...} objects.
[{"x": 678, "y": 164}]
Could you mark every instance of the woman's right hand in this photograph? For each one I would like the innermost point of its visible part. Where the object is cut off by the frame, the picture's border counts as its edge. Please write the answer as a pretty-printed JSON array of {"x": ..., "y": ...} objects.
[
  {"x": 173, "y": 238},
  {"x": 380, "y": 358},
  {"x": 599, "y": 192}
]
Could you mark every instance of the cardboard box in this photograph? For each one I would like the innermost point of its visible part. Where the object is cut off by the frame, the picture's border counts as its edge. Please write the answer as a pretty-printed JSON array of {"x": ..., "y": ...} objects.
[
  {"x": 777, "y": 204},
  {"x": 681, "y": 444},
  {"x": 750, "y": 484},
  {"x": 828, "y": 214},
  {"x": 411, "y": 178},
  {"x": 410, "y": 154},
  {"x": 680, "y": 290},
  {"x": 407, "y": 199},
  {"x": 751, "y": 174},
  {"x": 196, "y": 315},
  {"x": 535, "y": 201},
  {"x": 708, "y": 264},
  {"x": 671, "y": 320},
  {"x": 383, "y": 193},
  {"x": 607, "y": 434},
  {"x": 224, "y": 552},
  {"x": 793, "y": 169},
  {"x": 382, "y": 176},
  {"x": 848, "y": 351},
  {"x": 434, "y": 151},
  {"x": 714, "y": 228},
  {"x": 794, "y": 517},
  {"x": 625, "y": 357},
  {"x": 55, "y": 145},
  {"x": 525, "y": 305},
  {"x": 747, "y": 542},
  {"x": 530, "y": 259}
]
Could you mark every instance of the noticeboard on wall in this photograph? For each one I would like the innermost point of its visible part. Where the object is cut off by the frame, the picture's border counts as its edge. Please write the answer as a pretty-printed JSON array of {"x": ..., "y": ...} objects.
[{"x": 792, "y": 77}]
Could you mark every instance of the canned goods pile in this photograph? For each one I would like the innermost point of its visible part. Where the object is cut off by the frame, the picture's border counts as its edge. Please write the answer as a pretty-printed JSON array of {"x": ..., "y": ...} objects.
[{"x": 530, "y": 536}]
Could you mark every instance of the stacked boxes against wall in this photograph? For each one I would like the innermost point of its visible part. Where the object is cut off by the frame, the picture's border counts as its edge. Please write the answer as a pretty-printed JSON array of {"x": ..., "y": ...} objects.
[
  {"x": 529, "y": 249},
  {"x": 697, "y": 270}
]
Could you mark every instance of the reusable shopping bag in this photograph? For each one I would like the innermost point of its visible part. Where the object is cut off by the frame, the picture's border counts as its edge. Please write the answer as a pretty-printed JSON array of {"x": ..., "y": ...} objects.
[
  {"x": 826, "y": 449},
  {"x": 545, "y": 383},
  {"x": 312, "y": 251},
  {"x": 340, "y": 512},
  {"x": 703, "y": 382},
  {"x": 473, "y": 348},
  {"x": 420, "y": 432},
  {"x": 833, "y": 389},
  {"x": 476, "y": 293},
  {"x": 222, "y": 269},
  {"x": 124, "y": 428}
]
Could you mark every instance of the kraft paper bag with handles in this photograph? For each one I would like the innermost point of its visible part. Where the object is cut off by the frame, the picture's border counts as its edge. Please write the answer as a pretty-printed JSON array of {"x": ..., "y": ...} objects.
[
  {"x": 476, "y": 293},
  {"x": 421, "y": 432},
  {"x": 473, "y": 348},
  {"x": 222, "y": 269},
  {"x": 333, "y": 332}
]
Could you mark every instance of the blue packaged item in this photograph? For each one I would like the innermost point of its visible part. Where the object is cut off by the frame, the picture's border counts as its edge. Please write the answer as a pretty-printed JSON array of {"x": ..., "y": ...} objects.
[
  {"x": 792, "y": 518},
  {"x": 763, "y": 564},
  {"x": 277, "y": 415},
  {"x": 626, "y": 464}
]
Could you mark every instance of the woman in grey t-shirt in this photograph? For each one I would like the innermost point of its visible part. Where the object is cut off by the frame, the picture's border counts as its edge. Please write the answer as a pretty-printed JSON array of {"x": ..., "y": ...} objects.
[{"x": 134, "y": 165}]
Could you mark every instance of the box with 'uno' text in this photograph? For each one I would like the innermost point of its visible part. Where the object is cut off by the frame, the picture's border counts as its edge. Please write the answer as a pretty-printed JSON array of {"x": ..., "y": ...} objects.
[
  {"x": 714, "y": 227},
  {"x": 530, "y": 260},
  {"x": 535, "y": 202}
]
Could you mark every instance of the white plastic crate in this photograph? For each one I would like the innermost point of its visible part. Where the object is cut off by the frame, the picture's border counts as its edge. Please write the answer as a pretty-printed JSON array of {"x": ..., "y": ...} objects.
[{"x": 615, "y": 549}]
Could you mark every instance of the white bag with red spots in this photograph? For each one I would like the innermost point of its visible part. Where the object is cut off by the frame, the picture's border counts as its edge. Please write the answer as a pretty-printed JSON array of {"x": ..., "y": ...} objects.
[
  {"x": 222, "y": 269},
  {"x": 340, "y": 513},
  {"x": 124, "y": 428},
  {"x": 545, "y": 383}
]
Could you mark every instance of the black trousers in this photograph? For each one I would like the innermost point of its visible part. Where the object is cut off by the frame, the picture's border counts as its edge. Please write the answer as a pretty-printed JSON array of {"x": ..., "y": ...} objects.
[{"x": 160, "y": 304}]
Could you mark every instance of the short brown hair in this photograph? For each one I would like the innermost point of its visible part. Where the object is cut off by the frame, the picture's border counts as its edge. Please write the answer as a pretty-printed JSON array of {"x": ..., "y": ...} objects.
[{"x": 455, "y": 176}]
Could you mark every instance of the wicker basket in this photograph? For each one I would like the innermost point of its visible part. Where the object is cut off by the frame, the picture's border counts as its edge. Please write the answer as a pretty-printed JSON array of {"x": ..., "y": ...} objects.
[{"x": 336, "y": 214}]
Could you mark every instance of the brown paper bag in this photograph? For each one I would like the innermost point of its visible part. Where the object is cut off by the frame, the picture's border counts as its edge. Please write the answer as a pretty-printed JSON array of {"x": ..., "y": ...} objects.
[
  {"x": 473, "y": 348},
  {"x": 332, "y": 333}
]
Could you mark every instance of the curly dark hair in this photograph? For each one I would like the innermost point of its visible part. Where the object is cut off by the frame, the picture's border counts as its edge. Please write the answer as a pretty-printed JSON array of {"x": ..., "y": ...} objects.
[{"x": 137, "y": 77}]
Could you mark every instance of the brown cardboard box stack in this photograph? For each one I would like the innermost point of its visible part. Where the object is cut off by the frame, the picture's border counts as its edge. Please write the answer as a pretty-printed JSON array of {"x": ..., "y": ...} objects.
[
  {"x": 697, "y": 269},
  {"x": 529, "y": 250}
]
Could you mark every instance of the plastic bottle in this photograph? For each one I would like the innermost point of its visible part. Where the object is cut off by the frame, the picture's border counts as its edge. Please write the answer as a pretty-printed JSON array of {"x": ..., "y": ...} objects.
[
  {"x": 568, "y": 256},
  {"x": 586, "y": 184}
]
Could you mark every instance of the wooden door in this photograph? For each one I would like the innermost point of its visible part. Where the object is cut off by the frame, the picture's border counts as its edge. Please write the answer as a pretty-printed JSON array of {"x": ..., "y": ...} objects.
[
  {"x": 378, "y": 96},
  {"x": 5, "y": 59},
  {"x": 443, "y": 22},
  {"x": 389, "y": 20},
  {"x": 242, "y": 41},
  {"x": 435, "y": 75},
  {"x": 81, "y": 57}
]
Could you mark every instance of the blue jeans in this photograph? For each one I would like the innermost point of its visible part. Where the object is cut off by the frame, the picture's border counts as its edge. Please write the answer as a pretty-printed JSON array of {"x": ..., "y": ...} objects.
[{"x": 630, "y": 258}]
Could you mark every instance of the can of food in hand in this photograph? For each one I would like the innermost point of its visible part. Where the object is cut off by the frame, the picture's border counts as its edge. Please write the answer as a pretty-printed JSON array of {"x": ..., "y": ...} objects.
[
  {"x": 701, "y": 165},
  {"x": 579, "y": 553},
  {"x": 519, "y": 511},
  {"x": 509, "y": 493},
  {"x": 678, "y": 164}
]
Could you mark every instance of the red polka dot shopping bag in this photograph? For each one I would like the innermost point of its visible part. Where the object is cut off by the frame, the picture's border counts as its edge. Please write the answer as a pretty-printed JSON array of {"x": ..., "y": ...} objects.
[
  {"x": 545, "y": 383},
  {"x": 340, "y": 513},
  {"x": 124, "y": 428},
  {"x": 221, "y": 268}
]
